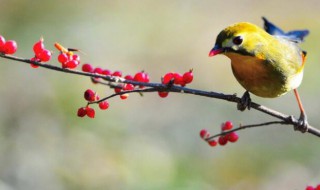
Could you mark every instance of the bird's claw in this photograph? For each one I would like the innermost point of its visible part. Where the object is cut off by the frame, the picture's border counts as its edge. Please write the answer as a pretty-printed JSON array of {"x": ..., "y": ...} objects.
[
  {"x": 245, "y": 102},
  {"x": 302, "y": 124}
]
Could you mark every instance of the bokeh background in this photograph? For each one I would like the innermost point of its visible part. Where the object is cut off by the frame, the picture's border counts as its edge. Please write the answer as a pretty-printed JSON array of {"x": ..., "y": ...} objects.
[{"x": 148, "y": 142}]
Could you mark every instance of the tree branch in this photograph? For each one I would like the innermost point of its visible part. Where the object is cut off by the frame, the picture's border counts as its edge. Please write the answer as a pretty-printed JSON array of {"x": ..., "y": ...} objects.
[{"x": 155, "y": 87}]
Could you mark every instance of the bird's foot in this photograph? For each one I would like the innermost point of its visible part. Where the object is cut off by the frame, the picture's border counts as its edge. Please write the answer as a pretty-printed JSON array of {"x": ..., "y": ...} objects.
[
  {"x": 245, "y": 102},
  {"x": 302, "y": 124}
]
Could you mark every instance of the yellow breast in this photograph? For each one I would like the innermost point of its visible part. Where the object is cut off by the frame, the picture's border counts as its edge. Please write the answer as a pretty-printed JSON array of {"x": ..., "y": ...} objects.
[{"x": 260, "y": 77}]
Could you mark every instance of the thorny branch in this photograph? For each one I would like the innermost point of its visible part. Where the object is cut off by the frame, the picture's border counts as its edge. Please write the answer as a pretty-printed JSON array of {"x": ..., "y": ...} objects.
[{"x": 155, "y": 87}]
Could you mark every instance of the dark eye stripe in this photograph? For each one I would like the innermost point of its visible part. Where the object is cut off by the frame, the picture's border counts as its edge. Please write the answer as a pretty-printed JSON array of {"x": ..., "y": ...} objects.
[{"x": 237, "y": 40}]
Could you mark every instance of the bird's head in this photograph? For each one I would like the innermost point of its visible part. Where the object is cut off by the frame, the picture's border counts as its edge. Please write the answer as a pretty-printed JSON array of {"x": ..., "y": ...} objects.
[{"x": 242, "y": 38}]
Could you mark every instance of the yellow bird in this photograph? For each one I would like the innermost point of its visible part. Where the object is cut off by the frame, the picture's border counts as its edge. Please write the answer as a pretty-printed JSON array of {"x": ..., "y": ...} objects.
[{"x": 266, "y": 63}]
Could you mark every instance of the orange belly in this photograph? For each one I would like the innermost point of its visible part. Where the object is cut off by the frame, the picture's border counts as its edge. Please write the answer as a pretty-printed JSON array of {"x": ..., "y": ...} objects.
[{"x": 258, "y": 76}]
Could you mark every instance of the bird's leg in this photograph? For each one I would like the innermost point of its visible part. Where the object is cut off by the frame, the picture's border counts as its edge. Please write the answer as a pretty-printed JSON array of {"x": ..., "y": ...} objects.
[
  {"x": 245, "y": 102},
  {"x": 303, "y": 123}
]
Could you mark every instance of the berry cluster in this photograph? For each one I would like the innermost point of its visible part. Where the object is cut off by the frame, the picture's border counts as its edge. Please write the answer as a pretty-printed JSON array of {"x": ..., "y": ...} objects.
[
  {"x": 176, "y": 78},
  {"x": 7, "y": 47},
  {"x": 67, "y": 58},
  {"x": 121, "y": 89},
  {"x": 313, "y": 188},
  {"x": 223, "y": 139},
  {"x": 138, "y": 77},
  {"x": 91, "y": 96},
  {"x": 41, "y": 54},
  {"x": 83, "y": 111}
]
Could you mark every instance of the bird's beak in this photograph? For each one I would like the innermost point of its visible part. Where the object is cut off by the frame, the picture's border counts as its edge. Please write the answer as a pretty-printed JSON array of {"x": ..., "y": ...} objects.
[{"x": 216, "y": 50}]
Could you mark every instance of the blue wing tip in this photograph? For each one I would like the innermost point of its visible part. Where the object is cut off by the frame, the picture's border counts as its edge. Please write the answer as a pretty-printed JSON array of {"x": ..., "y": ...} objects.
[
  {"x": 271, "y": 28},
  {"x": 264, "y": 19},
  {"x": 295, "y": 35}
]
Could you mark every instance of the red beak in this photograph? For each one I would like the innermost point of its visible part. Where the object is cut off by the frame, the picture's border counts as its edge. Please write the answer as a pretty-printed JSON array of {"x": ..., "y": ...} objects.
[{"x": 215, "y": 50}]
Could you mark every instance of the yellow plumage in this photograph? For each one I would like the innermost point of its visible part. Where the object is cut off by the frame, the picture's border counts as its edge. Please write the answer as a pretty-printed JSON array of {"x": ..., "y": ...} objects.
[{"x": 265, "y": 65}]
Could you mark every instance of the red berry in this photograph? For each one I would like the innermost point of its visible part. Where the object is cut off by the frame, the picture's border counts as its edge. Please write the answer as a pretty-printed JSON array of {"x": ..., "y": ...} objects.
[
  {"x": 187, "y": 77},
  {"x": 104, "y": 105},
  {"x": 63, "y": 58},
  {"x": 87, "y": 68},
  {"x": 96, "y": 97},
  {"x": 140, "y": 77},
  {"x": 318, "y": 187},
  {"x": 64, "y": 65},
  {"x": 82, "y": 112},
  {"x": 38, "y": 47},
  {"x": 147, "y": 78},
  {"x": 90, "y": 95},
  {"x": 212, "y": 143},
  {"x": 124, "y": 96},
  {"x": 310, "y": 188},
  {"x": 72, "y": 64},
  {"x": 10, "y": 47},
  {"x": 163, "y": 94},
  {"x": 226, "y": 126},
  {"x": 167, "y": 78},
  {"x": 2, "y": 41},
  {"x": 106, "y": 72},
  {"x": 34, "y": 65},
  {"x": 90, "y": 112},
  {"x": 232, "y": 137},
  {"x": 222, "y": 140},
  {"x": 76, "y": 57},
  {"x": 117, "y": 74},
  {"x": 128, "y": 87},
  {"x": 97, "y": 70},
  {"x": 129, "y": 77},
  {"x": 178, "y": 79},
  {"x": 44, "y": 56},
  {"x": 117, "y": 89},
  {"x": 204, "y": 134}
]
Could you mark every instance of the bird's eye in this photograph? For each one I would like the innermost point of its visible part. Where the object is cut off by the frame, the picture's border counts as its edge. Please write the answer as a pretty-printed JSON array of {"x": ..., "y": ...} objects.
[{"x": 237, "y": 40}]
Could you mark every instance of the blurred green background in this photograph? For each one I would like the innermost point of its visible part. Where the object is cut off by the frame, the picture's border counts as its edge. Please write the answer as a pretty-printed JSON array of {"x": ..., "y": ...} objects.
[{"x": 149, "y": 142}]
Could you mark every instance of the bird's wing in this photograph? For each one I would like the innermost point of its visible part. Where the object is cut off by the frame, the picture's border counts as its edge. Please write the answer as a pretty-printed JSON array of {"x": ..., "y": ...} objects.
[
  {"x": 285, "y": 54},
  {"x": 271, "y": 28},
  {"x": 296, "y": 36}
]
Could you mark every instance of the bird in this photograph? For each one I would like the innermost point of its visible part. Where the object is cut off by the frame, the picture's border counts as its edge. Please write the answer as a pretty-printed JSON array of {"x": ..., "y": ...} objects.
[{"x": 266, "y": 62}]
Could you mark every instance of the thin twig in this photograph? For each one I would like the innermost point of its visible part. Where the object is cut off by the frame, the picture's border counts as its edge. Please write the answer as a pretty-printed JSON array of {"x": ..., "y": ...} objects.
[
  {"x": 125, "y": 92},
  {"x": 241, "y": 127}
]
